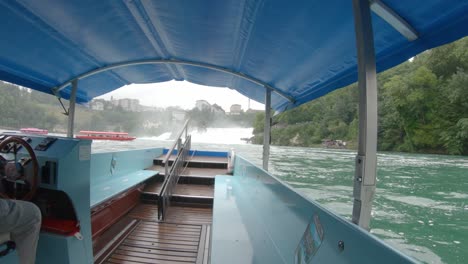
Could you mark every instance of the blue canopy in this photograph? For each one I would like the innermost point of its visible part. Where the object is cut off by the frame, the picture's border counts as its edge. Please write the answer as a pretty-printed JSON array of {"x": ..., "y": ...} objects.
[{"x": 302, "y": 49}]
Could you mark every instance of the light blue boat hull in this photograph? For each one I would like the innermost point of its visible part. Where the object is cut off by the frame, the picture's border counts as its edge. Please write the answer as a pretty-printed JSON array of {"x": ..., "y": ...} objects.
[{"x": 256, "y": 217}]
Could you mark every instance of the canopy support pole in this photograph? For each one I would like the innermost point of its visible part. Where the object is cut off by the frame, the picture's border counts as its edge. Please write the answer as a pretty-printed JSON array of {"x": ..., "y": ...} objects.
[
  {"x": 366, "y": 159},
  {"x": 267, "y": 129},
  {"x": 71, "y": 108}
]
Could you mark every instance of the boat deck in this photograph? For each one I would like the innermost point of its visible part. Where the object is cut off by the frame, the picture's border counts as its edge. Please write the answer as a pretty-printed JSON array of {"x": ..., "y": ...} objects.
[
  {"x": 184, "y": 235},
  {"x": 183, "y": 238}
]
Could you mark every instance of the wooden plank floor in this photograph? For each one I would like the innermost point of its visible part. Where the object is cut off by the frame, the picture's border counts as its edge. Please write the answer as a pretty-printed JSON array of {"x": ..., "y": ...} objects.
[
  {"x": 175, "y": 214},
  {"x": 189, "y": 215},
  {"x": 152, "y": 242},
  {"x": 184, "y": 237},
  {"x": 194, "y": 190}
]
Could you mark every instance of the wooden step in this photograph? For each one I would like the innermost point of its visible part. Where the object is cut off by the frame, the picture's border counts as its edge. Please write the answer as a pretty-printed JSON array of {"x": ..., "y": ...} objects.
[
  {"x": 194, "y": 190},
  {"x": 195, "y": 185},
  {"x": 183, "y": 193},
  {"x": 196, "y": 161},
  {"x": 193, "y": 172},
  {"x": 189, "y": 175},
  {"x": 153, "y": 187},
  {"x": 193, "y": 194},
  {"x": 150, "y": 193}
]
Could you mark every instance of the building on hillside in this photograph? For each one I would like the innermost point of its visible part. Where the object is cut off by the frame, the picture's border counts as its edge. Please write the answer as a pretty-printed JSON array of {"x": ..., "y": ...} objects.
[
  {"x": 134, "y": 105},
  {"x": 131, "y": 105},
  {"x": 250, "y": 110},
  {"x": 235, "y": 109},
  {"x": 127, "y": 104},
  {"x": 109, "y": 105},
  {"x": 202, "y": 105},
  {"x": 144, "y": 108},
  {"x": 97, "y": 104},
  {"x": 114, "y": 102},
  {"x": 218, "y": 110}
]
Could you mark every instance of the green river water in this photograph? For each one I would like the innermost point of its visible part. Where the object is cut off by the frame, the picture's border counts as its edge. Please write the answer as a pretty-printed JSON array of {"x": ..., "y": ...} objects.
[{"x": 421, "y": 203}]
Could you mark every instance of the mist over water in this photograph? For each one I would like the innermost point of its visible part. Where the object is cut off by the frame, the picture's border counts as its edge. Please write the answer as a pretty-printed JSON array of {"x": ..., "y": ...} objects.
[
  {"x": 222, "y": 135},
  {"x": 211, "y": 135}
]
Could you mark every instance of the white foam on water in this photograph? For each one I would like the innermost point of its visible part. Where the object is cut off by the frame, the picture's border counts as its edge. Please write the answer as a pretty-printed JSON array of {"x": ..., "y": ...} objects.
[
  {"x": 222, "y": 135},
  {"x": 212, "y": 135},
  {"x": 163, "y": 136}
]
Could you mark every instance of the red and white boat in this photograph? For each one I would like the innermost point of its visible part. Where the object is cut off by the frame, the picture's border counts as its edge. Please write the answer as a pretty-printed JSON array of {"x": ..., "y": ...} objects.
[
  {"x": 103, "y": 135},
  {"x": 33, "y": 130}
]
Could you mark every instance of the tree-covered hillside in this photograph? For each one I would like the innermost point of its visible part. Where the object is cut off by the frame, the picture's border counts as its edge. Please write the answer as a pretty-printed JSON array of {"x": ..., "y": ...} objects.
[
  {"x": 20, "y": 107},
  {"x": 423, "y": 107}
]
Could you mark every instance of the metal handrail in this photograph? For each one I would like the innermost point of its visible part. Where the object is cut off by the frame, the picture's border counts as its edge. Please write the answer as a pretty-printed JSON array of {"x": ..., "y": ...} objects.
[
  {"x": 172, "y": 172},
  {"x": 172, "y": 179},
  {"x": 177, "y": 143}
]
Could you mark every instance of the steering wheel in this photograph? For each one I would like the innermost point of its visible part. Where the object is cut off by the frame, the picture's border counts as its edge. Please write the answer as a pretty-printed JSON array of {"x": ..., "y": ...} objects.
[{"x": 12, "y": 172}]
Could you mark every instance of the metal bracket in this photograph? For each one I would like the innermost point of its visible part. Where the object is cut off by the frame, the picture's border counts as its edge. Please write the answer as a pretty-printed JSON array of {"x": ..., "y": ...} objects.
[
  {"x": 358, "y": 176},
  {"x": 65, "y": 112},
  {"x": 360, "y": 171}
]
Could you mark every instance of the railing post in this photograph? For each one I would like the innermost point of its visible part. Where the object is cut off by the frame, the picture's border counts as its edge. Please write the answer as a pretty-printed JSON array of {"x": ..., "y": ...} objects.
[
  {"x": 71, "y": 109},
  {"x": 366, "y": 159},
  {"x": 267, "y": 129}
]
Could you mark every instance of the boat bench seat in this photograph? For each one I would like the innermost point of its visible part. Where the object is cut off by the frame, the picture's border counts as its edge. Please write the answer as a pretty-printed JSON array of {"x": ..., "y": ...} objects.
[
  {"x": 103, "y": 190},
  {"x": 258, "y": 217},
  {"x": 238, "y": 225}
]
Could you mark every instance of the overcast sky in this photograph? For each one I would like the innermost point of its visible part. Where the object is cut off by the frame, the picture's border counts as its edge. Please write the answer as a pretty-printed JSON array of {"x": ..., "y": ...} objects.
[{"x": 183, "y": 94}]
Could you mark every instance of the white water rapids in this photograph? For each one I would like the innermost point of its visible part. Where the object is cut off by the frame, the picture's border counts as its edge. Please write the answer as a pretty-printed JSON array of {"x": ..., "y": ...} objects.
[{"x": 212, "y": 135}]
